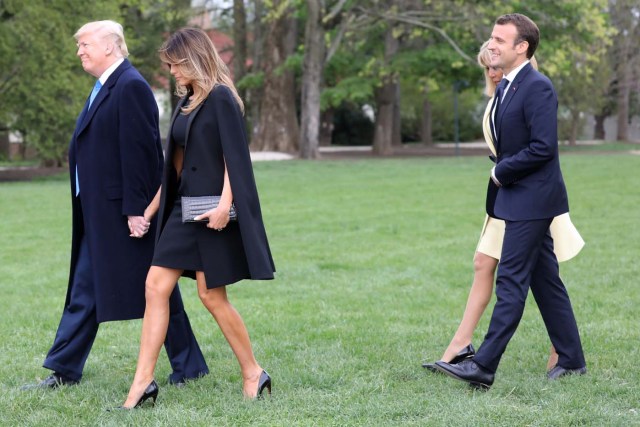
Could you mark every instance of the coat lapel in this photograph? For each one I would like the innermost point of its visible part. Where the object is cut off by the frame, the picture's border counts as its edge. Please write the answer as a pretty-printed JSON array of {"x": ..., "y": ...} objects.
[
  {"x": 102, "y": 95},
  {"x": 189, "y": 122},
  {"x": 181, "y": 103}
]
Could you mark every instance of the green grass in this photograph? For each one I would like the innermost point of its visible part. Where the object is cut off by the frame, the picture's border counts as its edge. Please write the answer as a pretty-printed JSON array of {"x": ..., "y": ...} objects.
[
  {"x": 616, "y": 146},
  {"x": 374, "y": 262}
]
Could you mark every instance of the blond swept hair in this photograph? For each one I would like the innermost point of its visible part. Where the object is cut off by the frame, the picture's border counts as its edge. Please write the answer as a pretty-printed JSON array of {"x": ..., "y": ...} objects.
[
  {"x": 107, "y": 29},
  {"x": 193, "y": 52},
  {"x": 484, "y": 60}
]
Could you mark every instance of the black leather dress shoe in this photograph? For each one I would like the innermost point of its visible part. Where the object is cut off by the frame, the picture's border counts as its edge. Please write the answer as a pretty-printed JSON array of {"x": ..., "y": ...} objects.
[
  {"x": 558, "y": 372},
  {"x": 54, "y": 380},
  {"x": 463, "y": 354},
  {"x": 468, "y": 371}
]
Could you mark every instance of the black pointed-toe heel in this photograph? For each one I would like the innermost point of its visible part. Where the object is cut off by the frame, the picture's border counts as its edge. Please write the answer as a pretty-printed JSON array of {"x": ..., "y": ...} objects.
[
  {"x": 265, "y": 382},
  {"x": 463, "y": 354},
  {"x": 151, "y": 392}
]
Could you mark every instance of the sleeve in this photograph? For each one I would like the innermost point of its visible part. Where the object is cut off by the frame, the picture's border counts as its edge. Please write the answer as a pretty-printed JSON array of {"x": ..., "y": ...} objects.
[
  {"x": 235, "y": 149},
  {"x": 540, "y": 115},
  {"x": 245, "y": 194},
  {"x": 138, "y": 137}
]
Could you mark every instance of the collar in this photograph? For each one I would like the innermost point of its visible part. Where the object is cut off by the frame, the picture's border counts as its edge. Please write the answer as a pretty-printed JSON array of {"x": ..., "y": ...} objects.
[
  {"x": 107, "y": 73},
  {"x": 512, "y": 75}
]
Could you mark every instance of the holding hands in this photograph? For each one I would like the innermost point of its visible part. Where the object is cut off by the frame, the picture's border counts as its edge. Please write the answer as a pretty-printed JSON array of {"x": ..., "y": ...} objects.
[{"x": 138, "y": 226}]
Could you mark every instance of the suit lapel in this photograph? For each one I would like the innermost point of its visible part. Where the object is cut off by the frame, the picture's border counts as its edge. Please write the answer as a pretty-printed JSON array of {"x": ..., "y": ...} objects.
[
  {"x": 504, "y": 106},
  {"x": 486, "y": 128}
]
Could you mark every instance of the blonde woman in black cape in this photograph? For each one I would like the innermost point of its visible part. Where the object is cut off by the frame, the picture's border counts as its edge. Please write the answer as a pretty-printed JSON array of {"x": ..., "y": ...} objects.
[
  {"x": 207, "y": 154},
  {"x": 567, "y": 243}
]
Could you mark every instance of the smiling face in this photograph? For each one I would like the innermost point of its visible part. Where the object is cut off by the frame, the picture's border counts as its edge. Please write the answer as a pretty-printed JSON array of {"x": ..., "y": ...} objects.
[
  {"x": 505, "y": 52},
  {"x": 95, "y": 51}
]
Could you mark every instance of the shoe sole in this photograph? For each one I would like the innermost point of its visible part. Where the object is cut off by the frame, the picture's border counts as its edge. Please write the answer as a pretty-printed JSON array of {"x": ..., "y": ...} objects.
[{"x": 473, "y": 384}]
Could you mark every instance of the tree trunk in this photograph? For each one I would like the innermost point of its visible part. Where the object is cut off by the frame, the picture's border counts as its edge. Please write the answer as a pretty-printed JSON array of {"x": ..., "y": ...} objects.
[
  {"x": 278, "y": 125},
  {"x": 598, "y": 127},
  {"x": 4, "y": 143},
  {"x": 326, "y": 127},
  {"x": 239, "y": 42},
  {"x": 384, "y": 118},
  {"x": 396, "y": 134},
  {"x": 312, "y": 81},
  {"x": 254, "y": 95},
  {"x": 624, "y": 89},
  {"x": 575, "y": 124},
  {"x": 426, "y": 129},
  {"x": 385, "y": 100}
]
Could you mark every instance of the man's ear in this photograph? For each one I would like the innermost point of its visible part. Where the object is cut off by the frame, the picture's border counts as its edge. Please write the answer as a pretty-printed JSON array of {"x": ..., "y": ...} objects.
[{"x": 522, "y": 47}]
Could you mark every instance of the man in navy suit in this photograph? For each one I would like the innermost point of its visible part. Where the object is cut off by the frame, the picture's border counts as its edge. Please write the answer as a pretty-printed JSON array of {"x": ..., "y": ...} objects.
[
  {"x": 531, "y": 193},
  {"x": 115, "y": 165}
]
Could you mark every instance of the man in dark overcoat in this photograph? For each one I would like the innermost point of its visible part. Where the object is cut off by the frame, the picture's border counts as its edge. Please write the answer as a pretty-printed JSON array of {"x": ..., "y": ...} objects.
[{"x": 115, "y": 164}]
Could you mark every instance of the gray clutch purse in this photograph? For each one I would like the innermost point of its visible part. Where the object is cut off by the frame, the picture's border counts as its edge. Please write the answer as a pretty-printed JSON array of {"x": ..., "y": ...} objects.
[{"x": 194, "y": 206}]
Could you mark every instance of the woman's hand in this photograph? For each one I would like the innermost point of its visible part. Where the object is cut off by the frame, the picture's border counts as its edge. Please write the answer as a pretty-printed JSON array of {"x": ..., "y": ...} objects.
[
  {"x": 218, "y": 217},
  {"x": 138, "y": 226}
]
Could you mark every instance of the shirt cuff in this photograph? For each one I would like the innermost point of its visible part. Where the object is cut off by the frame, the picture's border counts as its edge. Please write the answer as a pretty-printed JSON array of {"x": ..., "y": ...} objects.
[{"x": 493, "y": 177}]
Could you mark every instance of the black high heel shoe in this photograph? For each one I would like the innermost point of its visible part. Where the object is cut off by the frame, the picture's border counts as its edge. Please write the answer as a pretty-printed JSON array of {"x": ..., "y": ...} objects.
[
  {"x": 265, "y": 382},
  {"x": 151, "y": 392},
  {"x": 463, "y": 354}
]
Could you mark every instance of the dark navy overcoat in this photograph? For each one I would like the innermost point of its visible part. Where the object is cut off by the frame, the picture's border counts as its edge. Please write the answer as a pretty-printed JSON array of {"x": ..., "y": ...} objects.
[{"x": 117, "y": 151}]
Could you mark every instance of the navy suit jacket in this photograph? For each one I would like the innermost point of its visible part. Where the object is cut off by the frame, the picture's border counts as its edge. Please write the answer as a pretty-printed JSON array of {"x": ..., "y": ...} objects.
[
  {"x": 116, "y": 148},
  {"x": 528, "y": 166}
]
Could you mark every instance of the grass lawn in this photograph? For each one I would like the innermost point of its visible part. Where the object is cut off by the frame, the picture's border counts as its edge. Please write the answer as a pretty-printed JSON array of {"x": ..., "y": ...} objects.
[{"x": 374, "y": 262}]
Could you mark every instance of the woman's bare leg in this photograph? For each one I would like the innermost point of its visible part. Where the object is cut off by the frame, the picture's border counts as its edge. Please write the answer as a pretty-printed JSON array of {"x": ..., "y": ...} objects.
[
  {"x": 484, "y": 268},
  {"x": 234, "y": 331},
  {"x": 159, "y": 285}
]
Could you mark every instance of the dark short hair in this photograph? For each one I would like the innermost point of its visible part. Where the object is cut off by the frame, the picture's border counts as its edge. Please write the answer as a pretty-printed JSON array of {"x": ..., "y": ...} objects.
[{"x": 527, "y": 30}]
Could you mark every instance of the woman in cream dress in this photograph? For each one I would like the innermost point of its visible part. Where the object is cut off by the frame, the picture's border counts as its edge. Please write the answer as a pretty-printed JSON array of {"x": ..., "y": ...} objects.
[{"x": 566, "y": 239}]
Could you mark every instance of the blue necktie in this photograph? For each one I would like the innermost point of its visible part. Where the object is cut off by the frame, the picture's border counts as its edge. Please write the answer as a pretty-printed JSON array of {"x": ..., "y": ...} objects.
[
  {"x": 497, "y": 100},
  {"x": 94, "y": 92}
]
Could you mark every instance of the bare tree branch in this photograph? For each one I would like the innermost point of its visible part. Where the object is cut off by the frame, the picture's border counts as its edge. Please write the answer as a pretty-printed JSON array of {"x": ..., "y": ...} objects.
[
  {"x": 334, "y": 12},
  {"x": 418, "y": 23},
  {"x": 335, "y": 43}
]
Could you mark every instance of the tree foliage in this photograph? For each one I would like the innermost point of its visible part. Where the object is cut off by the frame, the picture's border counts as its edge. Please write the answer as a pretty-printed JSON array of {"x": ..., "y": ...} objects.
[
  {"x": 42, "y": 84},
  {"x": 43, "y": 87}
]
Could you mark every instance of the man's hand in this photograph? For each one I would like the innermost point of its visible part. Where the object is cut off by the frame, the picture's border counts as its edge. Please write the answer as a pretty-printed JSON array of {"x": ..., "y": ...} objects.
[{"x": 138, "y": 226}]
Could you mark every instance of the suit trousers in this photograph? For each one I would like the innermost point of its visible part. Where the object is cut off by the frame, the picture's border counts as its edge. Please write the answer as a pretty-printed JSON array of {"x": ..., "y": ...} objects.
[
  {"x": 78, "y": 328},
  {"x": 528, "y": 261}
]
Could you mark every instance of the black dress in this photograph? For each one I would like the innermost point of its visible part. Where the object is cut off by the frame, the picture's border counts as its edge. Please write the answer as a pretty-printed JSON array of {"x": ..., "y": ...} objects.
[{"x": 194, "y": 247}]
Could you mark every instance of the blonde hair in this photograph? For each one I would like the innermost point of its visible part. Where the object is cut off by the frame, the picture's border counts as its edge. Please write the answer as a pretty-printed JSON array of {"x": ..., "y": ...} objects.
[
  {"x": 193, "y": 52},
  {"x": 109, "y": 29},
  {"x": 484, "y": 60}
]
